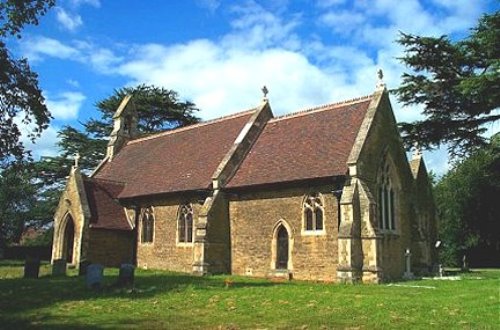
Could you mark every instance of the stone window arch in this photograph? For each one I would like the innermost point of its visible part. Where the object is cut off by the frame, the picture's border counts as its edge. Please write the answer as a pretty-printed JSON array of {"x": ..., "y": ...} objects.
[
  {"x": 387, "y": 196},
  {"x": 147, "y": 225},
  {"x": 282, "y": 246},
  {"x": 185, "y": 224},
  {"x": 313, "y": 214}
]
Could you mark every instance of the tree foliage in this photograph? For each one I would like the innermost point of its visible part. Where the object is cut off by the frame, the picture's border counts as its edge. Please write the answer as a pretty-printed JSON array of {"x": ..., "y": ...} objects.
[
  {"x": 469, "y": 210},
  {"x": 20, "y": 96},
  {"x": 458, "y": 84},
  {"x": 17, "y": 199}
]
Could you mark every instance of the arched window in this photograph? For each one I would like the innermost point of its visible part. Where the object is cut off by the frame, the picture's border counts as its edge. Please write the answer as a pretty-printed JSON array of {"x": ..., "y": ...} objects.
[
  {"x": 313, "y": 213},
  {"x": 185, "y": 224},
  {"x": 147, "y": 226},
  {"x": 386, "y": 199}
]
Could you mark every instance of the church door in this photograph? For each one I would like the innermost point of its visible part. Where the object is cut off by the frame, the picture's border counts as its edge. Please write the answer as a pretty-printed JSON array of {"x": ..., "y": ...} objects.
[
  {"x": 282, "y": 249},
  {"x": 69, "y": 237}
]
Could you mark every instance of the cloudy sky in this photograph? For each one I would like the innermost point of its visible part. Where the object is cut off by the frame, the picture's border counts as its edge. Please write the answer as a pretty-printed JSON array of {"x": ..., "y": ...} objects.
[{"x": 219, "y": 53}]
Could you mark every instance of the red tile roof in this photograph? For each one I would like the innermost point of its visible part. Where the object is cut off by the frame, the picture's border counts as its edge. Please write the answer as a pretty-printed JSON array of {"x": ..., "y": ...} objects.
[
  {"x": 310, "y": 144},
  {"x": 179, "y": 160},
  {"x": 105, "y": 210}
]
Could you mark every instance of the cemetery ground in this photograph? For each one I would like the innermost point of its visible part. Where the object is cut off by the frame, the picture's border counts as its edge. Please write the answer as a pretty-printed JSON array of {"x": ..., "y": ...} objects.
[{"x": 163, "y": 300}]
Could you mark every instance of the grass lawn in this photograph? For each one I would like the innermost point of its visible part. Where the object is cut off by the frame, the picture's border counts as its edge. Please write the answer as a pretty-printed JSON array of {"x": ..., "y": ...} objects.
[{"x": 175, "y": 301}]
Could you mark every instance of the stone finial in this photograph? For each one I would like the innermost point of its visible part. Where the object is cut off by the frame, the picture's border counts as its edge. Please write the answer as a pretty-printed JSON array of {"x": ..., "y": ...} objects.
[
  {"x": 77, "y": 160},
  {"x": 265, "y": 91},
  {"x": 380, "y": 82},
  {"x": 417, "y": 152}
]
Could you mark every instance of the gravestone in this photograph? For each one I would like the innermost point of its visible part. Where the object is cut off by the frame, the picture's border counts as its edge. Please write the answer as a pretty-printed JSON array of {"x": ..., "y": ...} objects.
[
  {"x": 126, "y": 275},
  {"x": 31, "y": 267},
  {"x": 59, "y": 267},
  {"x": 408, "y": 274},
  {"x": 94, "y": 276},
  {"x": 465, "y": 264}
]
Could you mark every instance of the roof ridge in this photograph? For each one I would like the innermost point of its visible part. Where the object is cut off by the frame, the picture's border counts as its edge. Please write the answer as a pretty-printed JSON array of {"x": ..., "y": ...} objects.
[
  {"x": 320, "y": 108},
  {"x": 185, "y": 128}
]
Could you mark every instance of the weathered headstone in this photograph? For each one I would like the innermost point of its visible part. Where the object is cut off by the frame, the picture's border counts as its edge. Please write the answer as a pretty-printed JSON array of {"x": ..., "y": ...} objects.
[
  {"x": 408, "y": 274},
  {"x": 31, "y": 267},
  {"x": 126, "y": 275},
  {"x": 59, "y": 267},
  {"x": 465, "y": 264},
  {"x": 94, "y": 276}
]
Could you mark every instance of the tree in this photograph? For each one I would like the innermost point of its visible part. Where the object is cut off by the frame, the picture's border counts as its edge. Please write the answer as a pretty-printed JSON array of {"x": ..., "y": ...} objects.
[
  {"x": 458, "y": 83},
  {"x": 158, "y": 109},
  {"x": 469, "y": 212},
  {"x": 16, "y": 201},
  {"x": 20, "y": 96}
]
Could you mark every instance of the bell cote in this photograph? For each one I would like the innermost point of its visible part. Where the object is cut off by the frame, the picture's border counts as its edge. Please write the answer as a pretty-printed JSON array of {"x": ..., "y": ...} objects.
[{"x": 124, "y": 126}]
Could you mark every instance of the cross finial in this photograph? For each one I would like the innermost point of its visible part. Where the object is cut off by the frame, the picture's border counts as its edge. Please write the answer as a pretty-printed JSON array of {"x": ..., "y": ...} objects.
[
  {"x": 77, "y": 159},
  {"x": 380, "y": 83},
  {"x": 265, "y": 91}
]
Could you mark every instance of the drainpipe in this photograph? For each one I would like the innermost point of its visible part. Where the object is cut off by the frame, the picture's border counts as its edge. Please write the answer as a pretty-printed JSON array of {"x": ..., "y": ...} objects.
[{"x": 338, "y": 195}]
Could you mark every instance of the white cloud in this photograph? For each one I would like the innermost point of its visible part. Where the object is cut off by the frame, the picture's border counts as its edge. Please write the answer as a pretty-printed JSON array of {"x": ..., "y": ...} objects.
[
  {"x": 36, "y": 48},
  {"x": 65, "y": 106},
  {"x": 69, "y": 21},
  {"x": 211, "y": 5},
  {"x": 73, "y": 83},
  {"x": 342, "y": 21},
  {"x": 329, "y": 3},
  {"x": 45, "y": 145},
  {"x": 93, "y": 3},
  {"x": 102, "y": 60}
]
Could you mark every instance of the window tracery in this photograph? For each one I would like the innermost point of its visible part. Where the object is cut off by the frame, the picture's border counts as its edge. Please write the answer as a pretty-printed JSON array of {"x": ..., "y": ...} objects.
[
  {"x": 185, "y": 224},
  {"x": 313, "y": 213},
  {"x": 386, "y": 199}
]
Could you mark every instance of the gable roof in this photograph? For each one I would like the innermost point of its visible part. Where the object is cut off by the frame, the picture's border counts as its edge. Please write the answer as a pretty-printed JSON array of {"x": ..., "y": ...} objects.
[
  {"x": 310, "y": 144},
  {"x": 105, "y": 210},
  {"x": 183, "y": 159}
]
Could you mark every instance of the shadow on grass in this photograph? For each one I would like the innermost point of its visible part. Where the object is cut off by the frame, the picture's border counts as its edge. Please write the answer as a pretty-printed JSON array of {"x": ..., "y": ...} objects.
[{"x": 21, "y": 298}]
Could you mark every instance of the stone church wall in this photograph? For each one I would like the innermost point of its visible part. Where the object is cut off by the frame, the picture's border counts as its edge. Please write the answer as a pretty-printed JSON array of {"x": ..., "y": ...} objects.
[
  {"x": 424, "y": 253},
  {"x": 165, "y": 252},
  {"x": 218, "y": 254},
  {"x": 382, "y": 139},
  {"x": 253, "y": 217},
  {"x": 72, "y": 207},
  {"x": 110, "y": 247}
]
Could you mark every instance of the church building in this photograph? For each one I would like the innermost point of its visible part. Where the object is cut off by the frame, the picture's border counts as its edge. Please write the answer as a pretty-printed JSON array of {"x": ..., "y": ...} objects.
[{"x": 323, "y": 194}]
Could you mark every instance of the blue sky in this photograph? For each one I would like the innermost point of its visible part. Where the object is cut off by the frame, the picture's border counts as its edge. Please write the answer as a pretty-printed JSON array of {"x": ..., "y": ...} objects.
[{"x": 220, "y": 53}]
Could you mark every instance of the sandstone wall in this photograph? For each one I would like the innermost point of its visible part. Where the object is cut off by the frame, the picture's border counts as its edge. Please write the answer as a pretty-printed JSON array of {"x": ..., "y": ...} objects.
[
  {"x": 253, "y": 218},
  {"x": 110, "y": 247},
  {"x": 73, "y": 206},
  {"x": 218, "y": 250},
  {"x": 383, "y": 139},
  {"x": 165, "y": 252}
]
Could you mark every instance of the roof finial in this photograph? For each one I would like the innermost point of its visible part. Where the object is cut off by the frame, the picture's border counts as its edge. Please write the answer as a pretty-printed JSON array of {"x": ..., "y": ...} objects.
[
  {"x": 380, "y": 83},
  {"x": 77, "y": 159},
  {"x": 265, "y": 91},
  {"x": 417, "y": 152}
]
